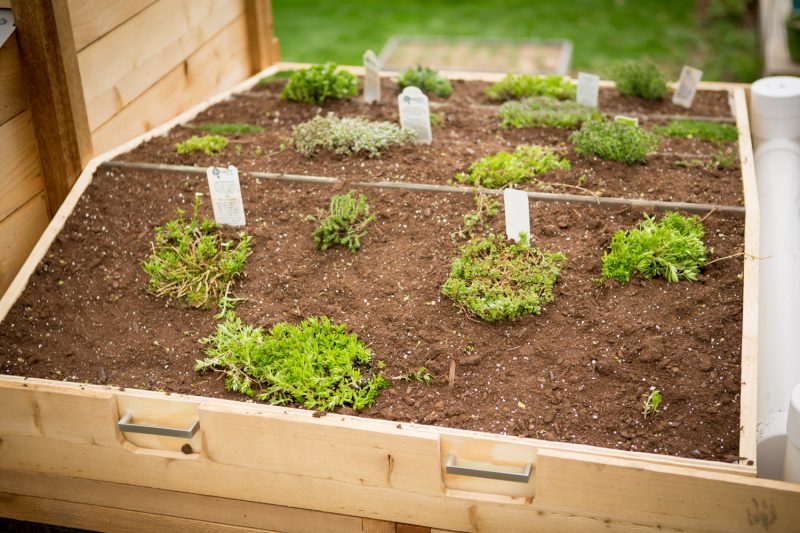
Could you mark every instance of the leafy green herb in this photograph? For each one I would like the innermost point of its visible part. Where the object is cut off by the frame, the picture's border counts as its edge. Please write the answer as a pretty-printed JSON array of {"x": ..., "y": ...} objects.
[
  {"x": 544, "y": 111},
  {"x": 615, "y": 141},
  {"x": 651, "y": 402},
  {"x": 502, "y": 168},
  {"x": 497, "y": 280},
  {"x": 191, "y": 261},
  {"x": 422, "y": 375},
  {"x": 672, "y": 248},
  {"x": 315, "y": 364},
  {"x": 486, "y": 208},
  {"x": 318, "y": 83},
  {"x": 208, "y": 144},
  {"x": 427, "y": 80},
  {"x": 642, "y": 79},
  {"x": 699, "y": 129},
  {"x": 229, "y": 129},
  {"x": 345, "y": 223},
  {"x": 516, "y": 87},
  {"x": 349, "y": 135}
]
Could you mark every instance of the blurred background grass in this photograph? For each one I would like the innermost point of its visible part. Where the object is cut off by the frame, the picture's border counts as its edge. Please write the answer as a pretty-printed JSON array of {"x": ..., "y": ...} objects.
[{"x": 717, "y": 36}]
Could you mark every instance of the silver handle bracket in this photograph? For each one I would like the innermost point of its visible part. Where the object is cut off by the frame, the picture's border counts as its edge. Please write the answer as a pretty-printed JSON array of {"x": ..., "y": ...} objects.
[
  {"x": 518, "y": 477},
  {"x": 125, "y": 425}
]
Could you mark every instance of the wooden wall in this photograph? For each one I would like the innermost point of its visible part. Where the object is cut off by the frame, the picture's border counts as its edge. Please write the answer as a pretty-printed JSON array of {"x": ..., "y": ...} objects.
[{"x": 140, "y": 63}]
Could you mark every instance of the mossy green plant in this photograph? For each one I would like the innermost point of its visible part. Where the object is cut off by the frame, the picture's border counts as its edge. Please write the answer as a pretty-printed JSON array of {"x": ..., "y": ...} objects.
[
  {"x": 216, "y": 128},
  {"x": 191, "y": 261},
  {"x": 547, "y": 111},
  {"x": 704, "y": 130},
  {"x": 671, "y": 248},
  {"x": 503, "y": 168},
  {"x": 318, "y": 83},
  {"x": 316, "y": 364},
  {"x": 640, "y": 78},
  {"x": 345, "y": 223},
  {"x": 208, "y": 144},
  {"x": 496, "y": 279},
  {"x": 517, "y": 87},
  {"x": 349, "y": 136},
  {"x": 427, "y": 80},
  {"x": 614, "y": 141}
]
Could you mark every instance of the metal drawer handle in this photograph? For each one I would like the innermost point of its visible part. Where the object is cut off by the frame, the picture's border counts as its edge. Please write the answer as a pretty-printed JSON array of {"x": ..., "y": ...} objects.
[
  {"x": 125, "y": 425},
  {"x": 518, "y": 477}
]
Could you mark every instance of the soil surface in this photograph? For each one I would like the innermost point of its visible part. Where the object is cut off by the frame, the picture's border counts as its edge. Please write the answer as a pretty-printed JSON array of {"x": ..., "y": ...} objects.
[
  {"x": 576, "y": 373},
  {"x": 469, "y": 131}
]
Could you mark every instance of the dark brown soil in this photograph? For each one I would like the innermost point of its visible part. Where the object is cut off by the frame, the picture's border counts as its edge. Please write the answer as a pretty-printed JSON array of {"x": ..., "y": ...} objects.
[
  {"x": 580, "y": 369},
  {"x": 468, "y": 132}
]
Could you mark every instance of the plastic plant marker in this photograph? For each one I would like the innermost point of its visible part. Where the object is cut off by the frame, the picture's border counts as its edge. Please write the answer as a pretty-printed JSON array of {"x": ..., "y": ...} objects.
[
  {"x": 687, "y": 86},
  {"x": 372, "y": 77},
  {"x": 588, "y": 88},
  {"x": 226, "y": 195},
  {"x": 518, "y": 217},
  {"x": 415, "y": 113}
]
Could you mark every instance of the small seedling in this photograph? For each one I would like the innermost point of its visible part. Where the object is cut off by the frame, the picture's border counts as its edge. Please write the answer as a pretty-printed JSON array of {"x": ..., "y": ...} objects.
[
  {"x": 514, "y": 87},
  {"x": 544, "y": 111},
  {"x": 316, "y": 364},
  {"x": 671, "y": 248},
  {"x": 615, "y": 141},
  {"x": 208, "y": 144},
  {"x": 723, "y": 160},
  {"x": 318, "y": 83},
  {"x": 422, "y": 375},
  {"x": 502, "y": 169},
  {"x": 191, "y": 261},
  {"x": 469, "y": 348},
  {"x": 651, "y": 402},
  {"x": 427, "y": 80},
  {"x": 496, "y": 280},
  {"x": 344, "y": 224},
  {"x": 699, "y": 129},
  {"x": 215, "y": 128},
  {"x": 436, "y": 120},
  {"x": 349, "y": 135},
  {"x": 486, "y": 208},
  {"x": 642, "y": 79}
]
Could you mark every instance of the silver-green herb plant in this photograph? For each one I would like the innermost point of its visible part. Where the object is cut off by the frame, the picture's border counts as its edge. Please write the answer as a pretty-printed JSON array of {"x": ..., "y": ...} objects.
[
  {"x": 349, "y": 135},
  {"x": 547, "y": 111},
  {"x": 614, "y": 141}
]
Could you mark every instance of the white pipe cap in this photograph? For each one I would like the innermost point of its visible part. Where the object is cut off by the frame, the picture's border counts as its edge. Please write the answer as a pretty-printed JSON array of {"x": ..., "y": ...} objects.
[{"x": 775, "y": 107}]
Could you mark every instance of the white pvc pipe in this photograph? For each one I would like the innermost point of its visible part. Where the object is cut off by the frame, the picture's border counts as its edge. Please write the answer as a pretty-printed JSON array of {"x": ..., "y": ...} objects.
[{"x": 791, "y": 463}]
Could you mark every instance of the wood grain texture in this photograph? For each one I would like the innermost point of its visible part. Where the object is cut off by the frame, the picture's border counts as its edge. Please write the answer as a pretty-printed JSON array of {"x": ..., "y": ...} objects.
[
  {"x": 261, "y": 41},
  {"x": 12, "y": 93},
  {"x": 53, "y": 86},
  {"x": 121, "y": 66},
  {"x": 21, "y": 178},
  {"x": 370, "y": 525},
  {"x": 93, "y": 19},
  {"x": 218, "y": 64},
  {"x": 18, "y": 235}
]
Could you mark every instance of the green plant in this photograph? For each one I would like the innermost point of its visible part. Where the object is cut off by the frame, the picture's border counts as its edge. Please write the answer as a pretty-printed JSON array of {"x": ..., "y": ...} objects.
[
  {"x": 190, "y": 260},
  {"x": 345, "y": 223},
  {"x": 544, "y": 111},
  {"x": 208, "y": 144},
  {"x": 516, "y": 87},
  {"x": 349, "y": 135},
  {"x": 672, "y": 248},
  {"x": 228, "y": 129},
  {"x": 495, "y": 279},
  {"x": 642, "y": 79},
  {"x": 436, "y": 120},
  {"x": 315, "y": 364},
  {"x": 427, "y": 80},
  {"x": 651, "y": 402},
  {"x": 318, "y": 83},
  {"x": 724, "y": 160},
  {"x": 699, "y": 129},
  {"x": 422, "y": 375},
  {"x": 615, "y": 141},
  {"x": 486, "y": 208},
  {"x": 502, "y": 168}
]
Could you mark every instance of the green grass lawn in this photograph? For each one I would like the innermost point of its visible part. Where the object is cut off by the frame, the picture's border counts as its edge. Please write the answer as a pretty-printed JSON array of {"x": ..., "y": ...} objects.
[{"x": 717, "y": 36}]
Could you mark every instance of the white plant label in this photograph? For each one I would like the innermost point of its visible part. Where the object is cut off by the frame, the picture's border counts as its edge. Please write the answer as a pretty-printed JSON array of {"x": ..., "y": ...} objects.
[
  {"x": 632, "y": 121},
  {"x": 415, "y": 114},
  {"x": 687, "y": 86},
  {"x": 226, "y": 196},
  {"x": 372, "y": 77},
  {"x": 518, "y": 216},
  {"x": 588, "y": 88}
]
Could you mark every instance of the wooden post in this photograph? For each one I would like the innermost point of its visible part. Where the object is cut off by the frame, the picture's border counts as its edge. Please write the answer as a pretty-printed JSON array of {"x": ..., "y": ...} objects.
[
  {"x": 55, "y": 94},
  {"x": 261, "y": 42}
]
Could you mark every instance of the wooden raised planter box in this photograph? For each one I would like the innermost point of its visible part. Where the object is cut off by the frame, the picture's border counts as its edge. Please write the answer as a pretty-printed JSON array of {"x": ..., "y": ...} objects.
[{"x": 64, "y": 460}]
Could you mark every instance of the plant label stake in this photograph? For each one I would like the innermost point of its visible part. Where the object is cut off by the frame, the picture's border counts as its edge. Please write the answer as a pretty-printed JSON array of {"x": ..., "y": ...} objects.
[
  {"x": 631, "y": 121},
  {"x": 687, "y": 86},
  {"x": 372, "y": 77},
  {"x": 518, "y": 217},
  {"x": 588, "y": 87},
  {"x": 415, "y": 114},
  {"x": 226, "y": 196}
]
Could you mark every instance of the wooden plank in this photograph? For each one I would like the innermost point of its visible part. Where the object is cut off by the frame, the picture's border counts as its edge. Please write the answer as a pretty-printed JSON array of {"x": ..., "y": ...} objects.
[
  {"x": 92, "y": 20},
  {"x": 12, "y": 92},
  {"x": 410, "y": 528},
  {"x": 259, "y": 34},
  {"x": 123, "y": 64},
  {"x": 370, "y": 525},
  {"x": 218, "y": 64},
  {"x": 177, "y": 504},
  {"x": 18, "y": 235},
  {"x": 21, "y": 179},
  {"x": 53, "y": 85}
]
